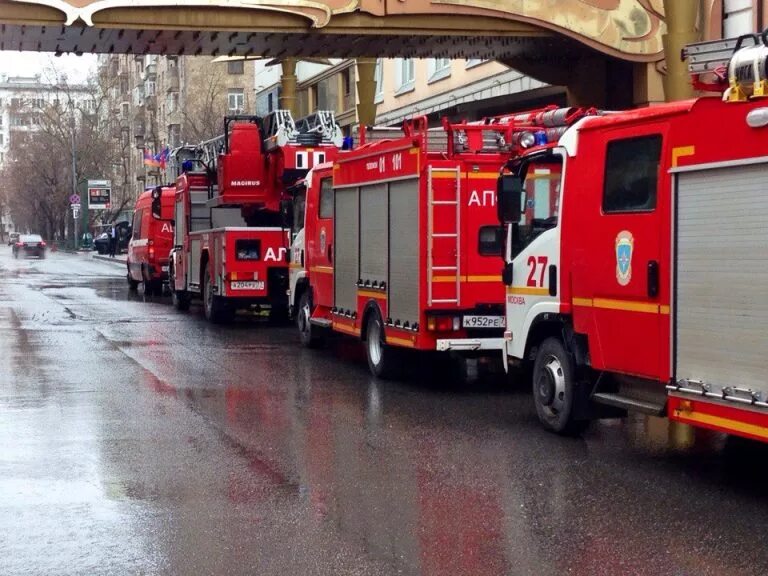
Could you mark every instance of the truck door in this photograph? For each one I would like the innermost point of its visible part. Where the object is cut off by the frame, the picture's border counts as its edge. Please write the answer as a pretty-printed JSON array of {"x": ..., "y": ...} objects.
[
  {"x": 320, "y": 244},
  {"x": 625, "y": 254}
]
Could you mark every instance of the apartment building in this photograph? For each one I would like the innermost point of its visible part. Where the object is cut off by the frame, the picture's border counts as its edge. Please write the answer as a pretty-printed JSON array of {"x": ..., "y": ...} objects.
[{"x": 166, "y": 101}]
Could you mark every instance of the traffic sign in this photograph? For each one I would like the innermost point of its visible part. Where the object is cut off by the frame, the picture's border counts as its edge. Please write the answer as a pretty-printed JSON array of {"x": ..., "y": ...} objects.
[
  {"x": 75, "y": 212},
  {"x": 74, "y": 199},
  {"x": 75, "y": 205}
]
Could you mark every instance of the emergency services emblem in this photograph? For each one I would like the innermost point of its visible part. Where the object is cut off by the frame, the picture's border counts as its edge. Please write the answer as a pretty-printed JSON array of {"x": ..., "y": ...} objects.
[{"x": 624, "y": 246}]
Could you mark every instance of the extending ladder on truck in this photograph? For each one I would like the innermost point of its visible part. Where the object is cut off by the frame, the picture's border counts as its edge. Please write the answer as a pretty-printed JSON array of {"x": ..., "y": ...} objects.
[{"x": 439, "y": 200}]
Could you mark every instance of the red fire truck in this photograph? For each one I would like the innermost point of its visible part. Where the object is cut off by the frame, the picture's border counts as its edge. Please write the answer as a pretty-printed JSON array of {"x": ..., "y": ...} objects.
[
  {"x": 398, "y": 243},
  {"x": 644, "y": 288},
  {"x": 229, "y": 240}
]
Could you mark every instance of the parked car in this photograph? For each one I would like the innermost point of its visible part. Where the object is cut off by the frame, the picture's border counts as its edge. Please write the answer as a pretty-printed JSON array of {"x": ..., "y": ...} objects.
[
  {"x": 101, "y": 240},
  {"x": 13, "y": 237},
  {"x": 151, "y": 241},
  {"x": 29, "y": 245}
]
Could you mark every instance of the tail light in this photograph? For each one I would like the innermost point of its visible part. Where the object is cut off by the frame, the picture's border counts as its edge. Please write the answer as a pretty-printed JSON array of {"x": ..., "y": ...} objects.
[
  {"x": 43, "y": 244},
  {"x": 443, "y": 323},
  {"x": 151, "y": 251}
]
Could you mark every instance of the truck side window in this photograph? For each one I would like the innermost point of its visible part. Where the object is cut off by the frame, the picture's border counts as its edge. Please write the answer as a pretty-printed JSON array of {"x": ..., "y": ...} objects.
[
  {"x": 541, "y": 189},
  {"x": 632, "y": 174},
  {"x": 299, "y": 207},
  {"x": 326, "y": 198},
  {"x": 137, "y": 225},
  {"x": 491, "y": 240}
]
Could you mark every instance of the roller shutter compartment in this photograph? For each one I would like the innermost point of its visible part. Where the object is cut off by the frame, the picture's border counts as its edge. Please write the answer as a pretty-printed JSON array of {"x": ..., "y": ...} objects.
[
  {"x": 404, "y": 270},
  {"x": 346, "y": 247},
  {"x": 721, "y": 330}
]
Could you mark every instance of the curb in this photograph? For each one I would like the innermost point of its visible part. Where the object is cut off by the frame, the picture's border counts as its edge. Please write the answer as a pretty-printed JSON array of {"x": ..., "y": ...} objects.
[{"x": 121, "y": 260}]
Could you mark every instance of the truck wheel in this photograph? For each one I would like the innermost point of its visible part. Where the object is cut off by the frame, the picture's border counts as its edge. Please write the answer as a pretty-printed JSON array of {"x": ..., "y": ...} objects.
[
  {"x": 179, "y": 298},
  {"x": 215, "y": 310},
  {"x": 382, "y": 358},
  {"x": 132, "y": 284},
  {"x": 554, "y": 389},
  {"x": 307, "y": 332}
]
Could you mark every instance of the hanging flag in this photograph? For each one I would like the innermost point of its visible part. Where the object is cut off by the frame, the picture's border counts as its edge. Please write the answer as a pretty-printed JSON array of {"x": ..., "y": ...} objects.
[
  {"x": 164, "y": 155},
  {"x": 149, "y": 159}
]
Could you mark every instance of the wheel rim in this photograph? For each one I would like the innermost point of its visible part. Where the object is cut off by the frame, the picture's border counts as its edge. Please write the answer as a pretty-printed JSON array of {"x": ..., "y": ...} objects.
[
  {"x": 208, "y": 296},
  {"x": 550, "y": 386},
  {"x": 304, "y": 319},
  {"x": 374, "y": 342}
]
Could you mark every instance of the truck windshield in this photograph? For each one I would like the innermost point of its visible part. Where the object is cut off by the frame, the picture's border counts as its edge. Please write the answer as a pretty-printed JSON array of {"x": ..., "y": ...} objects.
[{"x": 541, "y": 175}]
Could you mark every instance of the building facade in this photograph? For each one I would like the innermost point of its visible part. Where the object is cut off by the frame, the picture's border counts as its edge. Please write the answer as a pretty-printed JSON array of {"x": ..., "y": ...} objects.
[{"x": 166, "y": 101}]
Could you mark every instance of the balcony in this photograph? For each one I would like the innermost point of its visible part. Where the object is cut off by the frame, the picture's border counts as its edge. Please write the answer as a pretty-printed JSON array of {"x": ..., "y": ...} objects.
[
  {"x": 138, "y": 96},
  {"x": 172, "y": 79},
  {"x": 150, "y": 72}
]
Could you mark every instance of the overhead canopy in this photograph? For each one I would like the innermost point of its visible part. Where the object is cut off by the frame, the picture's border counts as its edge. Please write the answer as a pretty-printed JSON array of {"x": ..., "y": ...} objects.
[{"x": 625, "y": 29}]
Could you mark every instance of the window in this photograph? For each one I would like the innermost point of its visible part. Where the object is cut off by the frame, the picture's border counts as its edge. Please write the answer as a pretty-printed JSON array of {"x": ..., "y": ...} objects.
[
  {"x": 2, "y": 139},
  {"x": 248, "y": 249},
  {"x": 172, "y": 102},
  {"x": 236, "y": 67},
  {"x": 472, "y": 62},
  {"x": 174, "y": 135},
  {"x": 491, "y": 240},
  {"x": 236, "y": 100},
  {"x": 136, "y": 228},
  {"x": 405, "y": 75},
  {"x": 737, "y": 18},
  {"x": 326, "y": 198},
  {"x": 270, "y": 102},
  {"x": 631, "y": 174},
  {"x": 378, "y": 75},
  {"x": 541, "y": 196},
  {"x": 439, "y": 68},
  {"x": 346, "y": 81},
  {"x": 299, "y": 206}
]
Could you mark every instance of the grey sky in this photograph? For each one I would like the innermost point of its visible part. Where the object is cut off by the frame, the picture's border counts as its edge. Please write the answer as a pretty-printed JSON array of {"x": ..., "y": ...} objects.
[{"x": 14, "y": 63}]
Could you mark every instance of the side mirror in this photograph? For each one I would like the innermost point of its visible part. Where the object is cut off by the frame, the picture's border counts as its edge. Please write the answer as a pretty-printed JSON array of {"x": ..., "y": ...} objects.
[
  {"x": 157, "y": 193},
  {"x": 509, "y": 189},
  {"x": 506, "y": 274}
]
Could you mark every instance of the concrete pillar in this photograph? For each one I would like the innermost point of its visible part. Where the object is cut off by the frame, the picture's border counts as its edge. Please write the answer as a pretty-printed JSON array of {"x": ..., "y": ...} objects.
[
  {"x": 288, "y": 99},
  {"x": 366, "y": 91},
  {"x": 587, "y": 82},
  {"x": 681, "y": 18}
]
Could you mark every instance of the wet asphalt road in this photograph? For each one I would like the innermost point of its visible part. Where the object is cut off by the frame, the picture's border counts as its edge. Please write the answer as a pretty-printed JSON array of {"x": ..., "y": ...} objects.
[{"x": 138, "y": 440}]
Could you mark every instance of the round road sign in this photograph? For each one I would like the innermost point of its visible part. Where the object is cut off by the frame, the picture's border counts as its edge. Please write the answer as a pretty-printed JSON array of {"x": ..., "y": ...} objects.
[{"x": 74, "y": 199}]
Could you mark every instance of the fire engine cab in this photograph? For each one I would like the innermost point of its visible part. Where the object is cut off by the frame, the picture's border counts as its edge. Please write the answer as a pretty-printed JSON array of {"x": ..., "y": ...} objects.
[
  {"x": 397, "y": 241},
  {"x": 230, "y": 245},
  {"x": 636, "y": 279}
]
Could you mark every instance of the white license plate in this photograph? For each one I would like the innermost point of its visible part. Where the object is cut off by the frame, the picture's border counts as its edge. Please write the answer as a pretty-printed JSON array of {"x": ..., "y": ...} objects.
[
  {"x": 246, "y": 285},
  {"x": 484, "y": 322},
  {"x": 164, "y": 268}
]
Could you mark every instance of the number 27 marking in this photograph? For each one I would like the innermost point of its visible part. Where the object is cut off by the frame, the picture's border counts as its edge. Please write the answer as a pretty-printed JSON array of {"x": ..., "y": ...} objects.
[{"x": 535, "y": 262}]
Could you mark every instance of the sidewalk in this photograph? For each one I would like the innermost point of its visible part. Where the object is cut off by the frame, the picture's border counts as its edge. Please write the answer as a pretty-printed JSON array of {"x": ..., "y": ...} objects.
[{"x": 121, "y": 259}]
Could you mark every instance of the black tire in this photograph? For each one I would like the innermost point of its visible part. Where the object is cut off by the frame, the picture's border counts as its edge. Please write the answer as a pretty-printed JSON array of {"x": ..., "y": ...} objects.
[
  {"x": 133, "y": 285},
  {"x": 554, "y": 389},
  {"x": 308, "y": 334},
  {"x": 383, "y": 359},
  {"x": 179, "y": 298},
  {"x": 214, "y": 308}
]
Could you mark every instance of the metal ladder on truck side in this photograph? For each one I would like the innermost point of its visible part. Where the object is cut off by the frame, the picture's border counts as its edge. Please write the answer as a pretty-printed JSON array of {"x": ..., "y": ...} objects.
[{"x": 455, "y": 267}]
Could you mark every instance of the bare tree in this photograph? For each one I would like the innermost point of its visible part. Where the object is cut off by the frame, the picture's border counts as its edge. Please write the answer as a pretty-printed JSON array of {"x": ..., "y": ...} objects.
[{"x": 70, "y": 128}]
